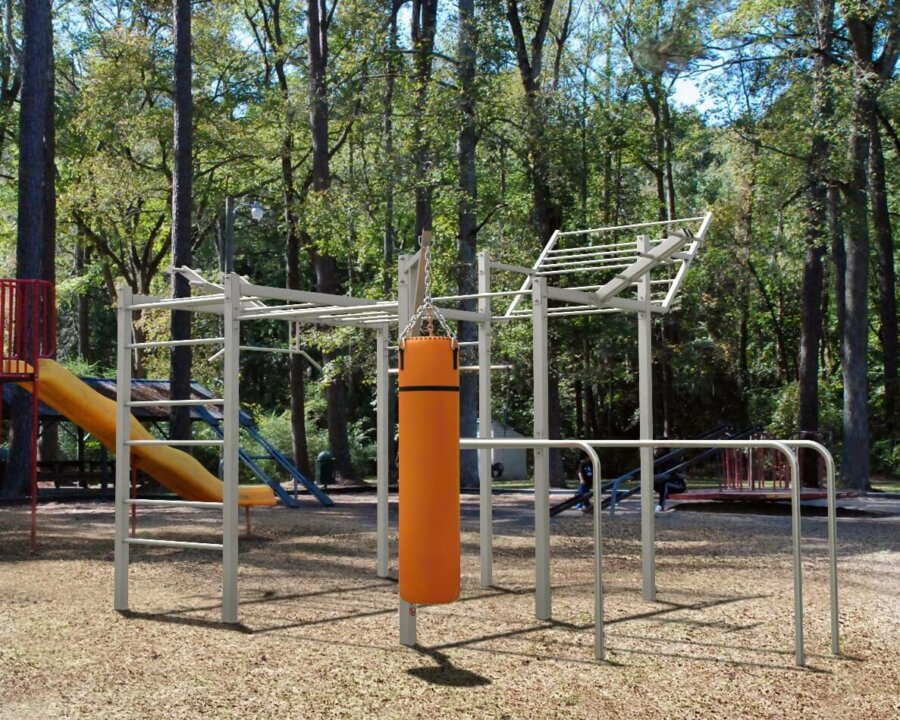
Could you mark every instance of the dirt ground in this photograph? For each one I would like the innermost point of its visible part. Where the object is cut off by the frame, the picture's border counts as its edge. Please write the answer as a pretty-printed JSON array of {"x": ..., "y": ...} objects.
[{"x": 319, "y": 631}]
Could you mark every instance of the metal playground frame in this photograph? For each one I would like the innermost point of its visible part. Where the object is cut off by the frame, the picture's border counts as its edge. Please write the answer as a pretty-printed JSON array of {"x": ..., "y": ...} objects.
[{"x": 584, "y": 272}]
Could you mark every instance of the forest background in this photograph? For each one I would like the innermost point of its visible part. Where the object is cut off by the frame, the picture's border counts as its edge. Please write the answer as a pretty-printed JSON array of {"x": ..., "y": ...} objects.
[{"x": 357, "y": 124}]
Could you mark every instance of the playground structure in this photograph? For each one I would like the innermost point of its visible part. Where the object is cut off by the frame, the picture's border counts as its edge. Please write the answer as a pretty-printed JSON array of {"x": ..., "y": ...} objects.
[
  {"x": 641, "y": 275},
  {"x": 27, "y": 338},
  {"x": 83, "y": 471}
]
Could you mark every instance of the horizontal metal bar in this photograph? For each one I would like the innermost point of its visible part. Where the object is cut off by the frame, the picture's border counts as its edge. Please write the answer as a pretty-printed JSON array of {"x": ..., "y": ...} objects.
[
  {"x": 592, "y": 268},
  {"x": 612, "y": 228},
  {"x": 175, "y": 303},
  {"x": 520, "y": 269},
  {"x": 175, "y": 343},
  {"x": 174, "y": 544},
  {"x": 586, "y": 252},
  {"x": 174, "y": 403},
  {"x": 478, "y": 296},
  {"x": 176, "y": 442},
  {"x": 174, "y": 503}
]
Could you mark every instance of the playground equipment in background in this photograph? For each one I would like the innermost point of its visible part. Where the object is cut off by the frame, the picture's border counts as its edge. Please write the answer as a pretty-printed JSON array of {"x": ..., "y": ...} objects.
[
  {"x": 754, "y": 470},
  {"x": 177, "y": 470},
  {"x": 27, "y": 336},
  {"x": 663, "y": 469},
  {"x": 84, "y": 471}
]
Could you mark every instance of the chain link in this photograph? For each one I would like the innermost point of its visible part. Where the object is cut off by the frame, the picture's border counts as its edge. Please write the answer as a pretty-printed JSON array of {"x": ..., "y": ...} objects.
[{"x": 427, "y": 311}]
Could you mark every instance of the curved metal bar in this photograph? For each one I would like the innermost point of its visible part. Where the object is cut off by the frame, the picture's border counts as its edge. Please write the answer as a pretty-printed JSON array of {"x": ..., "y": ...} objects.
[
  {"x": 832, "y": 535},
  {"x": 542, "y": 519},
  {"x": 783, "y": 447}
]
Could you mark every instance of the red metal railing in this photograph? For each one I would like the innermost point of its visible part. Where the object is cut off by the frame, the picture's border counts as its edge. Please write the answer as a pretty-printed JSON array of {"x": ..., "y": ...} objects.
[
  {"x": 27, "y": 326},
  {"x": 27, "y": 334}
]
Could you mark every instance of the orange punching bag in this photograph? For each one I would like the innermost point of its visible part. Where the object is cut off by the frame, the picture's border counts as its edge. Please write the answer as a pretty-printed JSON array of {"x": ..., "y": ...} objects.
[{"x": 429, "y": 470}]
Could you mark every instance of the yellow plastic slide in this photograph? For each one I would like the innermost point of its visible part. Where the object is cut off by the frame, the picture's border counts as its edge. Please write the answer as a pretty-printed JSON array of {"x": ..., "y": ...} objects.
[{"x": 177, "y": 470}]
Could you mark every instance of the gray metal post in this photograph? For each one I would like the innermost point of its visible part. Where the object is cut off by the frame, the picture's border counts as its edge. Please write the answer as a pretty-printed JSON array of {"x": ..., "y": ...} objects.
[
  {"x": 230, "y": 450},
  {"x": 542, "y": 601},
  {"x": 405, "y": 309},
  {"x": 485, "y": 423},
  {"x": 799, "y": 654},
  {"x": 123, "y": 453},
  {"x": 645, "y": 395},
  {"x": 382, "y": 431}
]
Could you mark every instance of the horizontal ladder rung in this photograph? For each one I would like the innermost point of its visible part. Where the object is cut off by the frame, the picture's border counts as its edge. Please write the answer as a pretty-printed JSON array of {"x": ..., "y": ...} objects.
[
  {"x": 174, "y": 403},
  {"x": 174, "y": 544},
  {"x": 175, "y": 442},
  {"x": 175, "y": 503}
]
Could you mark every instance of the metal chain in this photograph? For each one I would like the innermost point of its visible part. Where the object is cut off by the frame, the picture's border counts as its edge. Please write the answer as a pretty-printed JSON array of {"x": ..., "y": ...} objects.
[{"x": 427, "y": 308}]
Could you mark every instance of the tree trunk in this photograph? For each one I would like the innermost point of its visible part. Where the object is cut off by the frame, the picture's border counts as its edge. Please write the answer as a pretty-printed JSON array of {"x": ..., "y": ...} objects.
[
  {"x": 854, "y": 365},
  {"x": 182, "y": 178},
  {"x": 36, "y": 209},
  {"x": 389, "y": 230},
  {"x": 424, "y": 26},
  {"x": 82, "y": 258},
  {"x": 887, "y": 283},
  {"x": 325, "y": 266},
  {"x": 816, "y": 232},
  {"x": 466, "y": 241}
]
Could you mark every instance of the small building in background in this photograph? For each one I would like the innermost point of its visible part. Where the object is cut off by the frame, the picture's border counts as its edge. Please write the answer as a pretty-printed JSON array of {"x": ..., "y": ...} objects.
[{"x": 514, "y": 460}]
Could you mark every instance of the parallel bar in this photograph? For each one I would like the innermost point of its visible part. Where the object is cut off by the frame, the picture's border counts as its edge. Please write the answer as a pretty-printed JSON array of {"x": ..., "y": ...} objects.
[
  {"x": 785, "y": 448},
  {"x": 175, "y": 442},
  {"x": 175, "y": 343},
  {"x": 174, "y": 503},
  {"x": 506, "y": 267},
  {"x": 174, "y": 544},
  {"x": 175, "y": 303},
  {"x": 174, "y": 403},
  {"x": 480, "y": 295},
  {"x": 592, "y": 268},
  {"x": 585, "y": 446},
  {"x": 630, "y": 227}
]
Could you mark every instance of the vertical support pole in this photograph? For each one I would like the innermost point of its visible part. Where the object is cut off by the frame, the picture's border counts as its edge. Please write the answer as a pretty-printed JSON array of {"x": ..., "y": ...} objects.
[
  {"x": 230, "y": 450},
  {"x": 832, "y": 556},
  {"x": 599, "y": 639},
  {"x": 645, "y": 394},
  {"x": 542, "y": 601},
  {"x": 123, "y": 454},
  {"x": 485, "y": 423},
  {"x": 405, "y": 308},
  {"x": 799, "y": 654},
  {"x": 382, "y": 434}
]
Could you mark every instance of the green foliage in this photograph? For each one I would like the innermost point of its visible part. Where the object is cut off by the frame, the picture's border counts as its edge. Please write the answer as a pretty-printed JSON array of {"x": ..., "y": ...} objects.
[{"x": 610, "y": 122}]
